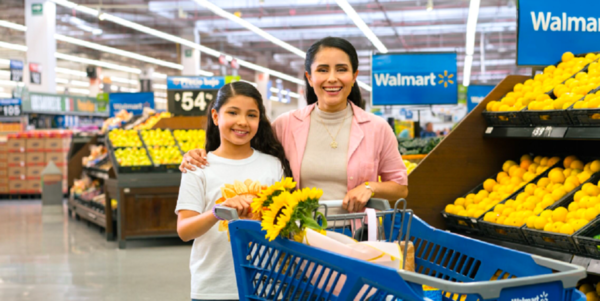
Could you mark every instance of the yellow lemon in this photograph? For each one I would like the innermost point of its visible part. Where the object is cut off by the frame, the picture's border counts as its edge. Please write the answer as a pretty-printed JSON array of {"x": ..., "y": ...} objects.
[
  {"x": 501, "y": 175},
  {"x": 559, "y": 193},
  {"x": 573, "y": 207},
  {"x": 556, "y": 175},
  {"x": 595, "y": 166},
  {"x": 459, "y": 201},
  {"x": 450, "y": 208},
  {"x": 508, "y": 164},
  {"x": 543, "y": 182},
  {"x": 559, "y": 214},
  {"x": 566, "y": 229},
  {"x": 568, "y": 160},
  {"x": 499, "y": 208},
  {"x": 591, "y": 213},
  {"x": 549, "y": 227},
  {"x": 591, "y": 189},
  {"x": 540, "y": 222},
  {"x": 577, "y": 164},
  {"x": 583, "y": 176}
]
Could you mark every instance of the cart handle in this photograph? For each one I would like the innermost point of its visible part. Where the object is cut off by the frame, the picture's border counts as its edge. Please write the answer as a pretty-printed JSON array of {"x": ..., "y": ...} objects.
[
  {"x": 569, "y": 275},
  {"x": 230, "y": 214}
]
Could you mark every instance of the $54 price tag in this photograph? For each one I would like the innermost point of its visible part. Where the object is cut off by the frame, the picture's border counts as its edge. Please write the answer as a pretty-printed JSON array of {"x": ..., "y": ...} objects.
[{"x": 190, "y": 102}]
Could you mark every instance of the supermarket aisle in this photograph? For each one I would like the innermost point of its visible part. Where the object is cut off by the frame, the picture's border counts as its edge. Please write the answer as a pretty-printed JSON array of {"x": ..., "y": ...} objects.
[{"x": 62, "y": 259}]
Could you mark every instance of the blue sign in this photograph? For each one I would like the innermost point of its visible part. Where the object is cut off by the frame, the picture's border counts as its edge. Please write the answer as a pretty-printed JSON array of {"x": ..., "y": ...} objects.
[
  {"x": 16, "y": 64},
  {"x": 549, "y": 28},
  {"x": 10, "y": 101},
  {"x": 195, "y": 82},
  {"x": 130, "y": 102},
  {"x": 269, "y": 86},
  {"x": 475, "y": 94},
  {"x": 414, "y": 79}
]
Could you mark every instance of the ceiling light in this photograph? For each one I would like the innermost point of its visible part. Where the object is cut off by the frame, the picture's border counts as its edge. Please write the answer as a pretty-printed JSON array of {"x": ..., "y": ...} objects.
[
  {"x": 429, "y": 5},
  {"x": 13, "y": 46},
  {"x": 470, "y": 46},
  {"x": 219, "y": 11},
  {"x": 346, "y": 7},
  {"x": 62, "y": 80},
  {"x": 5, "y": 95}
]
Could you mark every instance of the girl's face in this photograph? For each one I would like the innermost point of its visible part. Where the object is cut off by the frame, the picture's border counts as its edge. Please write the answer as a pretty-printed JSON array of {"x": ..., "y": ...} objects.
[
  {"x": 332, "y": 78},
  {"x": 237, "y": 120}
]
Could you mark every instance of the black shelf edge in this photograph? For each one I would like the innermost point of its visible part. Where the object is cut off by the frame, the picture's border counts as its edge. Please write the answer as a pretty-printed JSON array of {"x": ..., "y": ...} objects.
[
  {"x": 544, "y": 132},
  {"x": 96, "y": 172}
]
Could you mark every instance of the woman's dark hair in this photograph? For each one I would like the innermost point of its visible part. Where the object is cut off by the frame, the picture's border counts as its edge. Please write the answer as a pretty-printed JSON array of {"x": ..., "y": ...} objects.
[
  {"x": 343, "y": 45},
  {"x": 264, "y": 141}
]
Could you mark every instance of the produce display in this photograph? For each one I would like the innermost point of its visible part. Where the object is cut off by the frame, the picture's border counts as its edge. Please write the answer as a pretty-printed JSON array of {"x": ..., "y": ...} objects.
[
  {"x": 124, "y": 138},
  {"x": 534, "y": 94},
  {"x": 591, "y": 293},
  {"x": 512, "y": 177},
  {"x": 190, "y": 139},
  {"x": 132, "y": 156},
  {"x": 529, "y": 207},
  {"x": 165, "y": 154},
  {"x": 152, "y": 121},
  {"x": 409, "y": 166},
  {"x": 115, "y": 122},
  {"x": 97, "y": 155},
  {"x": 157, "y": 137},
  {"x": 417, "y": 146}
]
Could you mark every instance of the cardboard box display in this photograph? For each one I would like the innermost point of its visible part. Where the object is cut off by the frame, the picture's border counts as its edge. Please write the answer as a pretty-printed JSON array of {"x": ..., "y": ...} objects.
[
  {"x": 33, "y": 186},
  {"x": 3, "y": 156},
  {"x": 3, "y": 181},
  {"x": 17, "y": 171},
  {"x": 56, "y": 157},
  {"x": 34, "y": 171},
  {"x": 35, "y": 144},
  {"x": 3, "y": 147},
  {"x": 16, "y": 145},
  {"x": 36, "y": 157},
  {"x": 16, "y": 158},
  {"x": 4, "y": 172},
  {"x": 3, "y": 164},
  {"x": 4, "y": 188},
  {"x": 55, "y": 144},
  {"x": 17, "y": 185}
]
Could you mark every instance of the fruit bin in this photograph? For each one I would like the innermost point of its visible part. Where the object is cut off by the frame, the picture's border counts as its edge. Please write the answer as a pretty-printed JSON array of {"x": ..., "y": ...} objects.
[
  {"x": 505, "y": 232},
  {"x": 161, "y": 168},
  {"x": 512, "y": 118},
  {"x": 550, "y": 117},
  {"x": 585, "y": 117},
  {"x": 127, "y": 169},
  {"x": 584, "y": 69},
  {"x": 464, "y": 223},
  {"x": 557, "y": 241},
  {"x": 584, "y": 239}
]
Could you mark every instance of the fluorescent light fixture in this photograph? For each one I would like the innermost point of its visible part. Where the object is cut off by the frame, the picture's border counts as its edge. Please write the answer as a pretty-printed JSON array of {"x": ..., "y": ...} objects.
[
  {"x": 4, "y": 62},
  {"x": 13, "y": 25},
  {"x": 175, "y": 39},
  {"x": 8, "y": 83},
  {"x": 70, "y": 71},
  {"x": 219, "y": 11},
  {"x": 13, "y": 46},
  {"x": 97, "y": 63},
  {"x": 160, "y": 94},
  {"x": 5, "y": 73},
  {"x": 1, "y": 89},
  {"x": 470, "y": 46},
  {"x": 429, "y": 5},
  {"x": 5, "y": 95},
  {"x": 80, "y": 83},
  {"x": 62, "y": 80},
  {"x": 160, "y": 100},
  {"x": 349, "y": 10},
  {"x": 159, "y": 86},
  {"x": 107, "y": 49},
  {"x": 73, "y": 90}
]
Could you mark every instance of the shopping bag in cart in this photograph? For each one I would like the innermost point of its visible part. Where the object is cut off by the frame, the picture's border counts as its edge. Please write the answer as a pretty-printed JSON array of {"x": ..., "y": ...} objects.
[{"x": 383, "y": 253}]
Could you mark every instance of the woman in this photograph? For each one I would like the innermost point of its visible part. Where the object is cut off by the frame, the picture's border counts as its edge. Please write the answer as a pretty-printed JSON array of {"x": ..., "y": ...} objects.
[{"x": 333, "y": 143}]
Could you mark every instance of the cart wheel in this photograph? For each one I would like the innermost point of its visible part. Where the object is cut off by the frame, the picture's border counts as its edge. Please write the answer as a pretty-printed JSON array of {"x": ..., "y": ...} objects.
[{"x": 77, "y": 217}]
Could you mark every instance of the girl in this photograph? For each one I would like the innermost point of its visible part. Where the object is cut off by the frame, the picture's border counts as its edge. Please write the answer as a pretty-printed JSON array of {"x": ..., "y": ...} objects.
[{"x": 241, "y": 146}]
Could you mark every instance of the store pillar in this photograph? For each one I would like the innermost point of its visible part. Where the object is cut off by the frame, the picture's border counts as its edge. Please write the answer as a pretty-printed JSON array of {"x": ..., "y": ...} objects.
[
  {"x": 261, "y": 80},
  {"x": 301, "y": 90},
  {"x": 40, "y": 19},
  {"x": 190, "y": 57}
]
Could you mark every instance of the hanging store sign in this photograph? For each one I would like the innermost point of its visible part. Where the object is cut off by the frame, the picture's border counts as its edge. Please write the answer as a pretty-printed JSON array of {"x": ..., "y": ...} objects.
[
  {"x": 130, "y": 102},
  {"x": 16, "y": 70},
  {"x": 45, "y": 103},
  {"x": 475, "y": 94},
  {"x": 191, "y": 95},
  {"x": 547, "y": 29},
  {"x": 10, "y": 107},
  {"x": 35, "y": 73},
  {"x": 414, "y": 78}
]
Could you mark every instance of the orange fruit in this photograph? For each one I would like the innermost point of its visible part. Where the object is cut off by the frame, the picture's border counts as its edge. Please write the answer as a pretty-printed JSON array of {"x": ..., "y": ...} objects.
[
  {"x": 577, "y": 164},
  {"x": 507, "y": 165},
  {"x": 595, "y": 166},
  {"x": 525, "y": 164},
  {"x": 553, "y": 160},
  {"x": 512, "y": 170},
  {"x": 533, "y": 167},
  {"x": 501, "y": 175}
]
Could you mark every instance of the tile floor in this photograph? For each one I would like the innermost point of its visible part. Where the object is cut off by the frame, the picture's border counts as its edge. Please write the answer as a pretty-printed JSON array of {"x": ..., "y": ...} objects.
[{"x": 58, "y": 258}]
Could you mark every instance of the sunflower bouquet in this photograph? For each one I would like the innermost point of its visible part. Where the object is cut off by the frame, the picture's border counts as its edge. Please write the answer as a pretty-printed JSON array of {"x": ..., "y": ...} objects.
[{"x": 288, "y": 213}]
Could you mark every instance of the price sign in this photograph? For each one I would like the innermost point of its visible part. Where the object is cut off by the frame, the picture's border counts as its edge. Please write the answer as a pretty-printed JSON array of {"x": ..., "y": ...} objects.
[
  {"x": 10, "y": 107},
  {"x": 16, "y": 70},
  {"x": 35, "y": 73},
  {"x": 539, "y": 131},
  {"x": 191, "y": 95},
  {"x": 190, "y": 102}
]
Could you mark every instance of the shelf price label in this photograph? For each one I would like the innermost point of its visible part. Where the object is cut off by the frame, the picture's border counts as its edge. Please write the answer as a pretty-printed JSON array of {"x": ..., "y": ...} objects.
[
  {"x": 191, "y": 95},
  {"x": 10, "y": 107}
]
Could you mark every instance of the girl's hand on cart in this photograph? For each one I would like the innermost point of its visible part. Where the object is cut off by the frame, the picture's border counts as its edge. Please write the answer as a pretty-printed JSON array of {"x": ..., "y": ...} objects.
[
  {"x": 241, "y": 203},
  {"x": 192, "y": 159},
  {"x": 356, "y": 199}
]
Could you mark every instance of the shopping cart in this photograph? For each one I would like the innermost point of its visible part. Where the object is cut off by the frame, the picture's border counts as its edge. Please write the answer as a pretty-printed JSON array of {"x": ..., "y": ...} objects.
[{"x": 463, "y": 269}]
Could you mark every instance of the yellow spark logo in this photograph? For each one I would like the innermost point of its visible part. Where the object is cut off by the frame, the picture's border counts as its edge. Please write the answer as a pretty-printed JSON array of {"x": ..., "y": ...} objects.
[{"x": 446, "y": 79}]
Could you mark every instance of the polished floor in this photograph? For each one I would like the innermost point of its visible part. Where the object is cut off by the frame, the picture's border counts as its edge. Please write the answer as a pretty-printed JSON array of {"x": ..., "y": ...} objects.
[{"x": 52, "y": 257}]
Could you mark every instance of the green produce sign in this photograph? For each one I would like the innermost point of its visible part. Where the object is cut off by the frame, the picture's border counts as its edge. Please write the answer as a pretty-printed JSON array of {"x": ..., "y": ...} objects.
[
  {"x": 46, "y": 103},
  {"x": 37, "y": 9}
]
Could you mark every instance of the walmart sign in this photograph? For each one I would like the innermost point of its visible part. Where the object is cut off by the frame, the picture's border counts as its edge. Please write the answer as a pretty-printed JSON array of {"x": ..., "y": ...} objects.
[
  {"x": 414, "y": 78},
  {"x": 549, "y": 28}
]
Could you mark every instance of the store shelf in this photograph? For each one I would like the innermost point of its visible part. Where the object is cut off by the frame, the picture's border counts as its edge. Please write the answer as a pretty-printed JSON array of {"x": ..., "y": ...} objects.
[
  {"x": 414, "y": 157},
  {"x": 544, "y": 132},
  {"x": 592, "y": 265},
  {"x": 96, "y": 172}
]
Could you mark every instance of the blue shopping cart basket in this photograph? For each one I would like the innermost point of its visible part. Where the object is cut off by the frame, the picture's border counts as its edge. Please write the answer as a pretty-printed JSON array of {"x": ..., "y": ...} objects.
[{"x": 464, "y": 269}]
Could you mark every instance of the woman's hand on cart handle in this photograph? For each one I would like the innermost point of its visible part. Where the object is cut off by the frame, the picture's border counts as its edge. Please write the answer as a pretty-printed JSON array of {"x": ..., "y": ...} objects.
[{"x": 192, "y": 159}]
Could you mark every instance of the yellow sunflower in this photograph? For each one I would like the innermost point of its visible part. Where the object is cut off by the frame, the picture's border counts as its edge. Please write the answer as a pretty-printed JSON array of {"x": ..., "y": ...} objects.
[
  {"x": 288, "y": 183},
  {"x": 279, "y": 214},
  {"x": 307, "y": 193}
]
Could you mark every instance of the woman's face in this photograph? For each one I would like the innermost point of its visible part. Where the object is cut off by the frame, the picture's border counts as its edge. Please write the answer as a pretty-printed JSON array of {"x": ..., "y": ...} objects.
[
  {"x": 237, "y": 120},
  {"x": 332, "y": 78}
]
